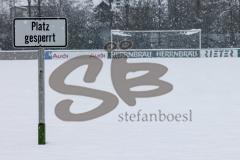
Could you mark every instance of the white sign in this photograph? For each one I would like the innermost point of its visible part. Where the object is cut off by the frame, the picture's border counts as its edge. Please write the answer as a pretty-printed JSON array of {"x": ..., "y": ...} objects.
[{"x": 40, "y": 32}]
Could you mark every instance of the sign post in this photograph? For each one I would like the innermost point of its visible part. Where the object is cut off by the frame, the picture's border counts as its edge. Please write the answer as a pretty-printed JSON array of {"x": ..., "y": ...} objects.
[
  {"x": 41, "y": 98},
  {"x": 40, "y": 33}
]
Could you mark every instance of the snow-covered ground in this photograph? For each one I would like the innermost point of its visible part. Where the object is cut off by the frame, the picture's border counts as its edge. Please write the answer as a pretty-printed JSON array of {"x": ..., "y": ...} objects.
[{"x": 209, "y": 87}]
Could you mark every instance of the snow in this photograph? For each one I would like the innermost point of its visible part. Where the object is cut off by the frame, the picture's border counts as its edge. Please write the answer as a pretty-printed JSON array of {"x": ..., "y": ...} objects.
[
  {"x": 210, "y": 87},
  {"x": 120, "y": 33},
  {"x": 192, "y": 31}
]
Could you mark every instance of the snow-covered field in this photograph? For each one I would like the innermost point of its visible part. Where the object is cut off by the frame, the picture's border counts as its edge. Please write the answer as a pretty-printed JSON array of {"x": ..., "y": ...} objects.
[{"x": 209, "y": 87}]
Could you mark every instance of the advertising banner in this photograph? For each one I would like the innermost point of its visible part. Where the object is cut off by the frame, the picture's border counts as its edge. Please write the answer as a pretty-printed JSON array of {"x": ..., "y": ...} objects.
[
  {"x": 219, "y": 53},
  {"x": 66, "y": 54},
  {"x": 156, "y": 54}
]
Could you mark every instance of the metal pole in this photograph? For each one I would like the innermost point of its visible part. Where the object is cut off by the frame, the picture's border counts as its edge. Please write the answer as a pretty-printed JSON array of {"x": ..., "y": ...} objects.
[
  {"x": 41, "y": 98},
  {"x": 200, "y": 40},
  {"x": 60, "y": 8},
  {"x": 110, "y": 52},
  {"x": 41, "y": 92},
  {"x": 39, "y": 8}
]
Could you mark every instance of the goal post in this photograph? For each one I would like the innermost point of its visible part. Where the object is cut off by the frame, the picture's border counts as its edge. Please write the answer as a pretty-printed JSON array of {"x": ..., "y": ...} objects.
[{"x": 156, "y": 41}]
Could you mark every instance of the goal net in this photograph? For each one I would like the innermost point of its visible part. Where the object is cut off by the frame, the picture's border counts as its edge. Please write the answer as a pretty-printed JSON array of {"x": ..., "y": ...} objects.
[{"x": 156, "y": 41}]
